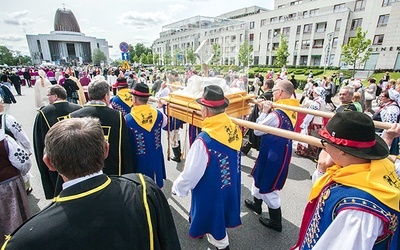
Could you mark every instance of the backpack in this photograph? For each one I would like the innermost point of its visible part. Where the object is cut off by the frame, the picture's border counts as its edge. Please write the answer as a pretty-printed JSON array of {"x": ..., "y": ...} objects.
[{"x": 378, "y": 90}]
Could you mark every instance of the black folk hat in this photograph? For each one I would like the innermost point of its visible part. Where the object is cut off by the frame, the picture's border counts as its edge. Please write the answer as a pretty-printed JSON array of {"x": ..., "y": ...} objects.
[
  {"x": 121, "y": 83},
  {"x": 354, "y": 133},
  {"x": 213, "y": 97},
  {"x": 141, "y": 89}
]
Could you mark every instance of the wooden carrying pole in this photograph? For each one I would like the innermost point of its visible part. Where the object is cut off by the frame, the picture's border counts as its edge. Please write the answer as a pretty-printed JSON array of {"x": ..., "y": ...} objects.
[
  {"x": 267, "y": 129},
  {"x": 280, "y": 132},
  {"x": 382, "y": 125}
]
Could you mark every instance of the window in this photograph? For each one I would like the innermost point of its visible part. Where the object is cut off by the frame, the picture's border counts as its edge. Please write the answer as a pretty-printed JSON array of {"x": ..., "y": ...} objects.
[
  {"x": 307, "y": 28},
  {"x": 360, "y": 5},
  {"x": 275, "y": 46},
  {"x": 252, "y": 25},
  {"x": 233, "y": 39},
  {"x": 305, "y": 13},
  {"x": 251, "y": 37},
  {"x": 387, "y": 2},
  {"x": 337, "y": 25},
  {"x": 268, "y": 46},
  {"x": 269, "y": 33},
  {"x": 318, "y": 43},
  {"x": 263, "y": 22},
  {"x": 296, "y": 44},
  {"x": 281, "y": 6},
  {"x": 277, "y": 32},
  {"x": 292, "y": 16},
  {"x": 273, "y": 20},
  {"x": 282, "y": 19},
  {"x": 298, "y": 29},
  {"x": 355, "y": 23},
  {"x": 314, "y": 12},
  {"x": 383, "y": 20},
  {"x": 285, "y": 31},
  {"x": 303, "y": 60},
  {"x": 296, "y": 2},
  {"x": 378, "y": 40},
  {"x": 338, "y": 7},
  {"x": 305, "y": 44},
  {"x": 334, "y": 42},
  {"x": 321, "y": 27}
]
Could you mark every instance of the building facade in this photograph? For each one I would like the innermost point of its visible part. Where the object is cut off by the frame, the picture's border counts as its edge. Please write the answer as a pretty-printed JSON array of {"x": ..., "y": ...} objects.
[
  {"x": 314, "y": 30},
  {"x": 66, "y": 44}
]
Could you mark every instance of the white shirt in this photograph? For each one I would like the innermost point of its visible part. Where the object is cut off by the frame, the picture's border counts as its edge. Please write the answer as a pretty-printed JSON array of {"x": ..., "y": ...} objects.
[
  {"x": 80, "y": 179},
  {"x": 195, "y": 167},
  {"x": 270, "y": 119}
]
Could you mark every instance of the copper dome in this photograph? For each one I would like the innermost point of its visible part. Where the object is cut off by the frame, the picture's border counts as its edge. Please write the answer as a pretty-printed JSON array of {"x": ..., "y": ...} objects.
[{"x": 65, "y": 20}]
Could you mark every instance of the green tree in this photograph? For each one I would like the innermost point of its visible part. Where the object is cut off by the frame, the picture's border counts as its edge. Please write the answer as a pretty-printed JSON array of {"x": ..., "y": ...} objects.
[
  {"x": 131, "y": 53},
  {"x": 135, "y": 59},
  {"x": 282, "y": 53},
  {"x": 167, "y": 58},
  {"x": 138, "y": 50},
  {"x": 245, "y": 54},
  {"x": 190, "y": 56},
  {"x": 143, "y": 59},
  {"x": 356, "y": 52},
  {"x": 149, "y": 58},
  {"x": 98, "y": 56},
  {"x": 116, "y": 62},
  {"x": 216, "y": 48},
  {"x": 156, "y": 59},
  {"x": 6, "y": 56}
]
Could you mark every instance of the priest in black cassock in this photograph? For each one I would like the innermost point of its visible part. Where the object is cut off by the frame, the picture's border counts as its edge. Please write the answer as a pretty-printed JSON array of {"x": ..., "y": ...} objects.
[
  {"x": 116, "y": 133},
  {"x": 47, "y": 116}
]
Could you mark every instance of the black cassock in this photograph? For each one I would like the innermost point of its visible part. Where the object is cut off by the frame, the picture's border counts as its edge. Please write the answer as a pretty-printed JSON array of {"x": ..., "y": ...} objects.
[
  {"x": 45, "y": 119},
  {"x": 99, "y": 213}
]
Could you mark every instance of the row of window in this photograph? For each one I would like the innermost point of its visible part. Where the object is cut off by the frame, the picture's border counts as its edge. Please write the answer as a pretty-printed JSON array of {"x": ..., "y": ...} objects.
[
  {"x": 382, "y": 22},
  {"x": 359, "y": 6}
]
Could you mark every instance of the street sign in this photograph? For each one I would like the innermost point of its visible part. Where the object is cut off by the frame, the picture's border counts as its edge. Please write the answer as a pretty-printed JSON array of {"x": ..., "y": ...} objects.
[
  {"x": 125, "y": 56},
  {"x": 124, "y": 47}
]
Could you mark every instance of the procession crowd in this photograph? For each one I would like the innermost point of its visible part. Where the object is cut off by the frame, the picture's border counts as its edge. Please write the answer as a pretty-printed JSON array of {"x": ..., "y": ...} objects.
[{"x": 105, "y": 117}]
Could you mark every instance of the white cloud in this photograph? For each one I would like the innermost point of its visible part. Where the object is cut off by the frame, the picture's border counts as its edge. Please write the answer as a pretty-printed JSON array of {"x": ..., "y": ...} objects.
[
  {"x": 177, "y": 8},
  {"x": 11, "y": 38},
  {"x": 17, "y": 18},
  {"x": 143, "y": 20},
  {"x": 93, "y": 30}
]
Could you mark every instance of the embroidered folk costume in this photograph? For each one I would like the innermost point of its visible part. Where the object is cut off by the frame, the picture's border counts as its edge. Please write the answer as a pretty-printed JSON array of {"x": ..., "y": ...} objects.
[
  {"x": 145, "y": 124},
  {"x": 213, "y": 173},
  {"x": 123, "y": 100},
  {"x": 355, "y": 206}
]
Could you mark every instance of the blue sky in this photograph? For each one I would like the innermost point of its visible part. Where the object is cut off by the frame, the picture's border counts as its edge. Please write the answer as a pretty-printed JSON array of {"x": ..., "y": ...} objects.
[{"x": 116, "y": 20}]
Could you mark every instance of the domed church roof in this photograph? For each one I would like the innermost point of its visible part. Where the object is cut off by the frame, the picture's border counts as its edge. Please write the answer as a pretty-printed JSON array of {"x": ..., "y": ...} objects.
[{"x": 64, "y": 20}]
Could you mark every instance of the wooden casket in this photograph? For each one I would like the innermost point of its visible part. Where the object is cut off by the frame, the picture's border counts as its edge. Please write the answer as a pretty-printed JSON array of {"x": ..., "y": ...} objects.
[{"x": 188, "y": 110}]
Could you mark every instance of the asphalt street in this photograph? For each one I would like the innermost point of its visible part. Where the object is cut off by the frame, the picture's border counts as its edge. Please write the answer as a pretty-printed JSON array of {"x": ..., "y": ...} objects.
[{"x": 250, "y": 235}]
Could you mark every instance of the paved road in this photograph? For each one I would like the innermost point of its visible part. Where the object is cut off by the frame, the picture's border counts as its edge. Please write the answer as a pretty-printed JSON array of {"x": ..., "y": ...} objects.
[{"x": 251, "y": 235}]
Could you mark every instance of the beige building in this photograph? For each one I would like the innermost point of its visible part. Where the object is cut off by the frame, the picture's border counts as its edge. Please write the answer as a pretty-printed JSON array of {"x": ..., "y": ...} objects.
[{"x": 314, "y": 30}]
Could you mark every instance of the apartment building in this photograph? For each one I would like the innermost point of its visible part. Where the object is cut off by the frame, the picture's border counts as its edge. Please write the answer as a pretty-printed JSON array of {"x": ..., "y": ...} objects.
[{"x": 314, "y": 30}]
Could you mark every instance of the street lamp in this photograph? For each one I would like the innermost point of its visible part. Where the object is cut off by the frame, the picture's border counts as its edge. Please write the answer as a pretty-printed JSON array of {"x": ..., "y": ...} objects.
[{"x": 328, "y": 49}]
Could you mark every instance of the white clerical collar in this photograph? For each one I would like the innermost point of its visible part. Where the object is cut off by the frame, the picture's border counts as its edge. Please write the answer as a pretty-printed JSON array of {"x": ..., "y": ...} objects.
[{"x": 80, "y": 179}]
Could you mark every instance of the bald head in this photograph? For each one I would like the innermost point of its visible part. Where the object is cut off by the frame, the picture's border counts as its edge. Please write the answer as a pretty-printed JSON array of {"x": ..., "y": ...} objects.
[{"x": 287, "y": 89}]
